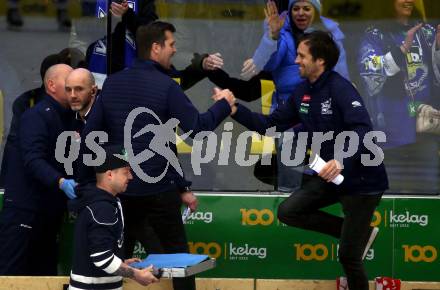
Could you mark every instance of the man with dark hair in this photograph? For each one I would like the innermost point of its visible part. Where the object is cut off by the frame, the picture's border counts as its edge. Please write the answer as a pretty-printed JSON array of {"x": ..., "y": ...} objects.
[
  {"x": 99, "y": 229},
  {"x": 147, "y": 35},
  {"x": 326, "y": 102},
  {"x": 321, "y": 45},
  {"x": 152, "y": 210}
]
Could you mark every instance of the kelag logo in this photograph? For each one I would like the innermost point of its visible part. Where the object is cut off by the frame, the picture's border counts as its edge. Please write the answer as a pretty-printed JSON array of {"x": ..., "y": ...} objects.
[
  {"x": 231, "y": 251},
  {"x": 399, "y": 219},
  {"x": 417, "y": 253},
  {"x": 243, "y": 252},
  {"x": 211, "y": 249},
  {"x": 253, "y": 217},
  {"x": 404, "y": 220},
  {"x": 205, "y": 217}
]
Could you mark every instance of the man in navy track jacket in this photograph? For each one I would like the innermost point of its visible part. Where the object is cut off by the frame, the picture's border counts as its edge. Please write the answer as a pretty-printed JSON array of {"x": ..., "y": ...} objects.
[
  {"x": 326, "y": 102},
  {"x": 98, "y": 261},
  {"x": 34, "y": 201},
  {"x": 152, "y": 210}
]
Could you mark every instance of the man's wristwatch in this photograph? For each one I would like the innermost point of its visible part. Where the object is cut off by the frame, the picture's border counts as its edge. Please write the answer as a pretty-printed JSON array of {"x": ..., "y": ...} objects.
[{"x": 186, "y": 189}]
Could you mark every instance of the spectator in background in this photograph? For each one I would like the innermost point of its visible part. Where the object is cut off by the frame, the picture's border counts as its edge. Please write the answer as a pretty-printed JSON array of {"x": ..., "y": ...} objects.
[
  {"x": 124, "y": 48},
  {"x": 36, "y": 185},
  {"x": 123, "y": 40},
  {"x": 281, "y": 29},
  {"x": 399, "y": 62}
]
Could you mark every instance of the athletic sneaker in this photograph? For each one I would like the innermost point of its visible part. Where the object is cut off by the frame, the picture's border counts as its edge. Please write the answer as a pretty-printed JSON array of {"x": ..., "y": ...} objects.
[{"x": 371, "y": 239}]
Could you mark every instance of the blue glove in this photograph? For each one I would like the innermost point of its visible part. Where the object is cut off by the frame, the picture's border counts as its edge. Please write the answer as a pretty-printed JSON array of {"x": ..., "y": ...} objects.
[{"x": 68, "y": 186}]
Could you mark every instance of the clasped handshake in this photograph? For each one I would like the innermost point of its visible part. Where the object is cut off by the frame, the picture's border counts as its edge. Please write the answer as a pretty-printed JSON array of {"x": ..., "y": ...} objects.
[{"x": 225, "y": 94}]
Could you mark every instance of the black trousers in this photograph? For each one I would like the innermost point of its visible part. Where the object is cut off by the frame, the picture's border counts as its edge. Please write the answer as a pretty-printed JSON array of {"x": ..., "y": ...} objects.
[
  {"x": 302, "y": 210},
  {"x": 156, "y": 222},
  {"x": 28, "y": 242}
]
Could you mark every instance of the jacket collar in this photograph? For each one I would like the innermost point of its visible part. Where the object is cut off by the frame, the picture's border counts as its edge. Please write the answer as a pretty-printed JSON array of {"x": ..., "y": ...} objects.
[
  {"x": 86, "y": 115},
  {"x": 90, "y": 193},
  {"x": 320, "y": 82},
  {"x": 140, "y": 63},
  {"x": 57, "y": 106}
]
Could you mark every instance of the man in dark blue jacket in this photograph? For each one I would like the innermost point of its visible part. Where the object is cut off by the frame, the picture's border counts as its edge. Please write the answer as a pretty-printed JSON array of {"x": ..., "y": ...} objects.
[
  {"x": 98, "y": 261},
  {"x": 328, "y": 103},
  {"x": 34, "y": 201},
  {"x": 69, "y": 56},
  {"x": 81, "y": 91},
  {"x": 23, "y": 102},
  {"x": 152, "y": 209}
]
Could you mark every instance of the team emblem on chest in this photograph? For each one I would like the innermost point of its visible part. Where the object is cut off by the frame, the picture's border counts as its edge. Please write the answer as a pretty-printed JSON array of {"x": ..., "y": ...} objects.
[
  {"x": 326, "y": 107},
  {"x": 304, "y": 108}
]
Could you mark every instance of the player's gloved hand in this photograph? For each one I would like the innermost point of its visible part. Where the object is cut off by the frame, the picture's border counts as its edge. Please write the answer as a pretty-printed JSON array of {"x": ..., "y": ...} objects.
[{"x": 68, "y": 186}]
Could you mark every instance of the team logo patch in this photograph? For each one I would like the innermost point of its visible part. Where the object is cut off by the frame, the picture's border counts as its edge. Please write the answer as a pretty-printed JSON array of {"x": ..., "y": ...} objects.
[
  {"x": 356, "y": 104},
  {"x": 304, "y": 110},
  {"x": 306, "y": 98},
  {"x": 326, "y": 107},
  {"x": 100, "y": 48}
]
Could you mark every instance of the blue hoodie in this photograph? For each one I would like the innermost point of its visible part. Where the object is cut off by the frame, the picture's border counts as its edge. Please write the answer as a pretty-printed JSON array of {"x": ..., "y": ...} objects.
[
  {"x": 281, "y": 62},
  {"x": 98, "y": 239}
]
